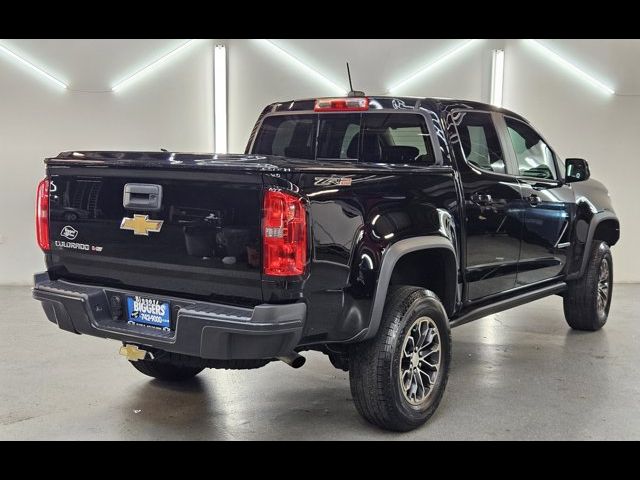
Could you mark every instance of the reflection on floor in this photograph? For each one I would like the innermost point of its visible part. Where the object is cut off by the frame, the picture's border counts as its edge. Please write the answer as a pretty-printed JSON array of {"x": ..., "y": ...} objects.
[{"x": 521, "y": 374}]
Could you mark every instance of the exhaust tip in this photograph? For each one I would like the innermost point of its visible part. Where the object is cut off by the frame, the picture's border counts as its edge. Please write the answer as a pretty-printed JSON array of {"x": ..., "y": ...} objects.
[
  {"x": 294, "y": 360},
  {"x": 298, "y": 361}
]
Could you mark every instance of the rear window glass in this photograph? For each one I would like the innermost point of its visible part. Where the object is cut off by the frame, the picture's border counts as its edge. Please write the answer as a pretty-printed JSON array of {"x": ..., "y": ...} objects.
[
  {"x": 338, "y": 136},
  {"x": 368, "y": 137},
  {"x": 288, "y": 136},
  {"x": 395, "y": 138}
]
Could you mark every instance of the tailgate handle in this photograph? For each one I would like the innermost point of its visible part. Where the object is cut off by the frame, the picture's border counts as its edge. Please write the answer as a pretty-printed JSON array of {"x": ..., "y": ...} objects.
[{"x": 142, "y": 196}]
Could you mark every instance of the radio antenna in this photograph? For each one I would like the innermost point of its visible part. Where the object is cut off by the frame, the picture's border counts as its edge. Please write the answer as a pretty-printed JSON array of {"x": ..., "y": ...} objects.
[{"x": 352, "y": 92}]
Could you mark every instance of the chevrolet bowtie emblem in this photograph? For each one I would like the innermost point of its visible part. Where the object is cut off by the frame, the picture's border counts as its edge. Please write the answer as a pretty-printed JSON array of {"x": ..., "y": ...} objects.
[{"x": 141, "y": 225}]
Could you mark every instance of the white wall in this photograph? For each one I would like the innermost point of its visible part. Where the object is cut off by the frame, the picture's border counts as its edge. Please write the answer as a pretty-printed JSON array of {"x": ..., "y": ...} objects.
[{"x": 173, "y": 109}]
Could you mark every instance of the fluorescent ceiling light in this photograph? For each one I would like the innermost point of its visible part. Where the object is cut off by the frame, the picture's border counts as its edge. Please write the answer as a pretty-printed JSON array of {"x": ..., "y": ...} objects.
[
  {"x": 144, "y": 70},
  {"x": 220, "y": 98},
  {"x": 338, "y": 88},
  {"x": 17, "y": 57},
  {"x": 570, "y": 66},
  {"x": 497, "y": 77},
  {"x": 432, "y": 65}
]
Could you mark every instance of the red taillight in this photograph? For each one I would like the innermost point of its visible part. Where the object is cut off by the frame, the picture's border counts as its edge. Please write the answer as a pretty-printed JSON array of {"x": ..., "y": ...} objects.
[
  {"x": 42, "y": 215},
  {"x": 348, "y": 104},
  {"x": 284, "y": 234}
]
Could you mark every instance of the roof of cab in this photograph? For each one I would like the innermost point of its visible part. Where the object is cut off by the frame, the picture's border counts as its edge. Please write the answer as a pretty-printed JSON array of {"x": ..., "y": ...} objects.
[{"x": 400, "y": 103}]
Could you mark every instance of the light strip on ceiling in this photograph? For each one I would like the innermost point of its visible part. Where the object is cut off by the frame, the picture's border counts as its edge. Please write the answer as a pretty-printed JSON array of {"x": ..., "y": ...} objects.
[
  {"x": 430, "y": 66},
  {"x": 220, "y": 98},
  {"x": 148, "y": 68},
  {"x": 570, "y": 66},
  {"x": 497, "y": 77},
  {"x": 26, "y": 62},
  {"x": 283, "y": 53}
]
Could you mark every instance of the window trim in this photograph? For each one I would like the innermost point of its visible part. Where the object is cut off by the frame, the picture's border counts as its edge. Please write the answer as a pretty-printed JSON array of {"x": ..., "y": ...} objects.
[{"x": 558, "y": 179}]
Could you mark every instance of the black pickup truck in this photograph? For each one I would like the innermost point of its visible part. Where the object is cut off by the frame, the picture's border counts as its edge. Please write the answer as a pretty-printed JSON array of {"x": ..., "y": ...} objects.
[{"x": 361, "y": 227}]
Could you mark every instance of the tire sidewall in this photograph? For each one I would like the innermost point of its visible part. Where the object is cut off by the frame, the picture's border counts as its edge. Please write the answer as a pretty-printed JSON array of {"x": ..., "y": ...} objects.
[
  {"x": 604, "y": 255},
  {"x": 424, "y": 306}
]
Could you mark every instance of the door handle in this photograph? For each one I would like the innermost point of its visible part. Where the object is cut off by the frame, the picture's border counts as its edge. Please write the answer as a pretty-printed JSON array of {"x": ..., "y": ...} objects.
[
  {"x": 534, "y": 200},
  {"x": 481, "y": 198}
]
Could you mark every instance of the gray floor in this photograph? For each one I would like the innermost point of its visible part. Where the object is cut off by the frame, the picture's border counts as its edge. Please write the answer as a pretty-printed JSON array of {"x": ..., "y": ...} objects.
[{"x": 521, "y": 374}]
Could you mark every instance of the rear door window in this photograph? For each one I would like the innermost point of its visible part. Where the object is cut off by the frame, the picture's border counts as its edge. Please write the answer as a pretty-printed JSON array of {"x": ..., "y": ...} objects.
[{"x": 479, "y": 141}]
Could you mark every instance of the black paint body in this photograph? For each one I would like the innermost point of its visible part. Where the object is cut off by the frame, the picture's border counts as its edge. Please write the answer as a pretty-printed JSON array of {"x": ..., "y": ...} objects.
[{"x": 212, "y": 204}]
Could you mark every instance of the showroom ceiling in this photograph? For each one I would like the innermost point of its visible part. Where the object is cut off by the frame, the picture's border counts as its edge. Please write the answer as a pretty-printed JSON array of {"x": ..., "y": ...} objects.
[{"x": 97, "y": 64}]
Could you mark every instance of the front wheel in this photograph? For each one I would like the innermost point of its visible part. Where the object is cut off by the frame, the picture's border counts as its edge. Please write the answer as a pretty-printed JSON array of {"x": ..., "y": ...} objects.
[
  {"x": 398, "y": 378},
  {"x": 587, "y": 300}
]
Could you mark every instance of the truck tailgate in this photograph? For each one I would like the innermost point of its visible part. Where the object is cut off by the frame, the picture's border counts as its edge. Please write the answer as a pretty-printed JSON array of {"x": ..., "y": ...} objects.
[{"x": 202, "y": 241}]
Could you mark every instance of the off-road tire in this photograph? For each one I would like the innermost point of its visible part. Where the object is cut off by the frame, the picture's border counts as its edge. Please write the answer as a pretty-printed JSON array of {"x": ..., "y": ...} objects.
[
  {"x": 374, "y": 365},
  {"x": 166, "y": 371},
  {"x": 581, "y": 298}
]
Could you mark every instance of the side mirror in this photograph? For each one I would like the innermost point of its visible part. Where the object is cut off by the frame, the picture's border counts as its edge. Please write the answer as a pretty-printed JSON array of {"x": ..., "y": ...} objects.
[{"x": 576, "y": 170}]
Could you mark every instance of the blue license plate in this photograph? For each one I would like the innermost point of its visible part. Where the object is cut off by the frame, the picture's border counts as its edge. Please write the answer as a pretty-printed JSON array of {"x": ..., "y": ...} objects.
[{"x": 148, "y": 311}]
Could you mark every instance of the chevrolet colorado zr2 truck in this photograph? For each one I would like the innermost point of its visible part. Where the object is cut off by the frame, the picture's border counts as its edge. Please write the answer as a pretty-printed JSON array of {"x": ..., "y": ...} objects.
[{"x": 361, "y": 227}]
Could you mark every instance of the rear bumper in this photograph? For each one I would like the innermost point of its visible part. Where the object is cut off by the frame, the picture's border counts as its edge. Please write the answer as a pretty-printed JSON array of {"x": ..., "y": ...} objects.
[{"x": 205, "y": 330}]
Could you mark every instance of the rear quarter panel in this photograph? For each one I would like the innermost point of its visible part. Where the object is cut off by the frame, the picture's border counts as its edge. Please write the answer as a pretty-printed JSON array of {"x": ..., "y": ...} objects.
[{"x": 352, "y": 226}]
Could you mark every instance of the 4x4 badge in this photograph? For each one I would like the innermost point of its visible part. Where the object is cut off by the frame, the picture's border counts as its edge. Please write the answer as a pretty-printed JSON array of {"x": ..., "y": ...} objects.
[{"x": 141, "y": 225}]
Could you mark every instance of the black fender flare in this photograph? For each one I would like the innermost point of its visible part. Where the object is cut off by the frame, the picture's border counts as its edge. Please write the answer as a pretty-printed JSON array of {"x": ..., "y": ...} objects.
[
  {"x": 389, "y": 260},
  {"x": 593, "y": 225}
]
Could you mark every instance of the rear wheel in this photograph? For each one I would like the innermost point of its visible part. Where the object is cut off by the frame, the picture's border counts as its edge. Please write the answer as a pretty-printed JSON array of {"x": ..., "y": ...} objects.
[
  {"x": 166, "y": 371},
  {"x": 398, "y": 378},
  {"x": 587, "y": 301}
]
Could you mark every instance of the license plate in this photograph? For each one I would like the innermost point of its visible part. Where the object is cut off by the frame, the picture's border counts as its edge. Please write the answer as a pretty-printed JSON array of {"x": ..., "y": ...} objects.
[{"x": 149, "y": 311}]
